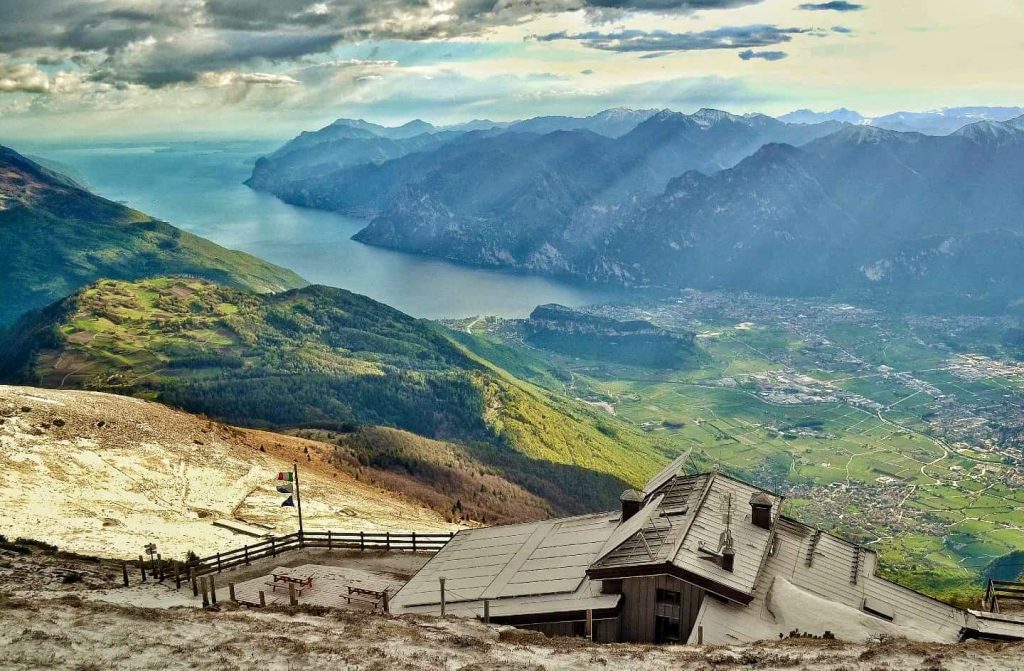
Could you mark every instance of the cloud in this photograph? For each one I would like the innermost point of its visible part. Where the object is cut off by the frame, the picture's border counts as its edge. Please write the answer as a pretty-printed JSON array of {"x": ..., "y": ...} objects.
[
  {"x": 835, "y": 6},
  {"x": 220, "y": 79},
  {"x": 842, "y": 30},
  {"x": 670, "y": 5},
  {"x": 23, "y": 77},
  {"x": 750, "y": 55},
  {"x": 738, "y": 37},
  {"x": 161, "y": 43}
]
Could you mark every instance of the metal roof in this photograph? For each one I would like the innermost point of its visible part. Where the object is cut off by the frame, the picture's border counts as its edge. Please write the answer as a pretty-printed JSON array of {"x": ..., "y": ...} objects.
[
  {"x": 691, "y": 516},
  {"x": 835, "y": 570},
  {"x": 521, "y": 560},
  {"x": 666, "y": 474}
]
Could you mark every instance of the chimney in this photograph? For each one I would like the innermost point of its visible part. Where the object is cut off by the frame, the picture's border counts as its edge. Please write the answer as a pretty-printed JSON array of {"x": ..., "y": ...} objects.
[
  {"x": 728, "y": 558},
  {"x": 632, "y": 501},
  {"x": 761, "y": 510}
]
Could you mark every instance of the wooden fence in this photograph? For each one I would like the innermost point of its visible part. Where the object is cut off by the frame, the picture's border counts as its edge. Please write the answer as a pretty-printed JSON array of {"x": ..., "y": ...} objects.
[
  {"x": 331, "y": 540},
  {"x": 1003, "y": 590}
]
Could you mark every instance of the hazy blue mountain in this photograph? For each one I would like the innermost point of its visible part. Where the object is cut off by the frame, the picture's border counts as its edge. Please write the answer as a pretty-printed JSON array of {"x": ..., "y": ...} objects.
[
  {"x": 842, "y": 115},
  {"x": 865, "y": 210},
  {"x": 540, "y": 178},
  {"x": 477, "y": 124},
  {"x": 923, "y": 219},
  {"x": 512, "y": 199},
  {"x": 937, "y": 122},
  {"x": 313, "y": 155},
  {"x": 613, "y": 122}
]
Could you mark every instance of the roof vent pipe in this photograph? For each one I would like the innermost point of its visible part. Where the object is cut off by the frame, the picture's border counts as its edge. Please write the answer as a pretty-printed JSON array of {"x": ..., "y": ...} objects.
[{"x": 632, "y": 502}]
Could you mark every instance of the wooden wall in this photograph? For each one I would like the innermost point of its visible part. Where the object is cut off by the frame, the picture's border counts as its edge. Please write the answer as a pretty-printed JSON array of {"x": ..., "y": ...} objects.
[
  {"x": 639, "y": 607},
  {"x": 605, "y": 631}
]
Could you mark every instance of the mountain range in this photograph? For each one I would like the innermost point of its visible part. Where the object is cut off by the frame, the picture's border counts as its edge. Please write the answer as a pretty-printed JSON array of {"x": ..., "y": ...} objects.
[
  {"x": 937, "y": 122},
  {"x": 56, "y": 237},
  {"x": 714, "y": 200}
]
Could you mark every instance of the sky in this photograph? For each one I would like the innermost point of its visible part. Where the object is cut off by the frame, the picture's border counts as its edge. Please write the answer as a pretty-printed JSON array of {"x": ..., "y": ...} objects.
[{"x": 109, "y": 69}]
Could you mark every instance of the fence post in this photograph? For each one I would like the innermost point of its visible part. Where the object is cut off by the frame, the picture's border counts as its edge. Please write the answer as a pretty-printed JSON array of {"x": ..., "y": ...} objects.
[
  {"x": 362, "y": 541},
  {"x": 273, "y": 552},
  {"x": 218, "y": 562},
  {"x": 177, "y": 575},
  {"x": 387, "y": 608},
  {"x": 160, "y": 567},
  {"x": 441, "y": 580},
  {"x": 291, "y": 595},
  {"x": 231, "y": 592},
  {"x": 387, "y": 540},
  {"x": 328, "y": 540},
  {"x": 202, "y": 588},
  {"x": 414, "y": 541},
  {"x": 700, "y": 634},
  {"x": 142, "y": 567},
  {"x": 192, "y": 579},
  {"x": 124, "y": 570},
  {"x": 590, "y": 625},
  {"x": 263, "y": 599},
  {"x": 213, "y": 592},
  {"x": 487, "y": 611},
  {"x": 246, "y": 555}
]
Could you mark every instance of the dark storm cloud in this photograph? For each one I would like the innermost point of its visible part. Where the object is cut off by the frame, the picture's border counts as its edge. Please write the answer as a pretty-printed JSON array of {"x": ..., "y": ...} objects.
[
  {"x": 750, "y": 54},
  {"x": 737, "y": 37},
  {"x": 164, "y": 42},
  {"x": 836, "y": 6},
  {"x": 88, "y": 26}
]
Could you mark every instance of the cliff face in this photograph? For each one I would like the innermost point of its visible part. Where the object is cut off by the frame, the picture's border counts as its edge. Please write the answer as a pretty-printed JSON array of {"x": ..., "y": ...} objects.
[{"x": 637, "y": 343}]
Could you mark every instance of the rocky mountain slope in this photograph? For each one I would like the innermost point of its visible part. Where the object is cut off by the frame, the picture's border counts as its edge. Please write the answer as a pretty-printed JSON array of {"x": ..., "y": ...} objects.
[
  {"x": 905, "y": 217},
  {"x": 103, "y": 474},
  {"x": 536, "y": 170},
  {"x": 321, "y": 358},
  {"x": 57, "y": 237}
]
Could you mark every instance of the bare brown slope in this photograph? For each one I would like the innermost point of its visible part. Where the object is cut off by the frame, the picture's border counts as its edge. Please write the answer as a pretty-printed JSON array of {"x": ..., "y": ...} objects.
[{"x": 104, "y": 474}]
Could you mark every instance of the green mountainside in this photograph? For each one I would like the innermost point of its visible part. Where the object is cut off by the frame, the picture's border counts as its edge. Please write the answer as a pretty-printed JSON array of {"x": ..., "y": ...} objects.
[
  {"x": 57, "y": 237},
  {"x": 323, "y": 358}
]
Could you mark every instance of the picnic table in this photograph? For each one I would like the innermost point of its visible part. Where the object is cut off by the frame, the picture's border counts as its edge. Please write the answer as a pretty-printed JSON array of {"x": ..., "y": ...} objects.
[
  {"x": 379, "y": 597},
  {"x": 284, "y": 579}
]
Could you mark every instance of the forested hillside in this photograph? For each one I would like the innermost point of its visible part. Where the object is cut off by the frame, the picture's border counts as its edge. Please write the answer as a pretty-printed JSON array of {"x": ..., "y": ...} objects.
[
  {"x": 56, "y": 237},
  {"x": 322, "y": 358}
]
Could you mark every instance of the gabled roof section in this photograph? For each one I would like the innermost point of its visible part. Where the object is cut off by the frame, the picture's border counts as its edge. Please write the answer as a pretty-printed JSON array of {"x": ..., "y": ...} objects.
[
  {"x": 653, "y": 534},
  {"x": 690, "y": 520},
  {"x": 631, "y": 527},
  {"x": 666, "y": 474}
]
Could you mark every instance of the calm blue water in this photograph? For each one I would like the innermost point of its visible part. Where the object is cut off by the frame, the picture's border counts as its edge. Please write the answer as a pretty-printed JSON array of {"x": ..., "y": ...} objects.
[{"x": 198, "y": 187}]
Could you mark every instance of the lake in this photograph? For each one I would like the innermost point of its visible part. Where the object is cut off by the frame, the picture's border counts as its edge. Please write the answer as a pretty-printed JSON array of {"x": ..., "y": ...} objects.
[{"x": 198, "y": 187}]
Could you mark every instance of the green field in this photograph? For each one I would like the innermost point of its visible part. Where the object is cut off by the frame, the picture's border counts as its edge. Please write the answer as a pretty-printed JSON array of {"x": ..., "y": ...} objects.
[{"x": 938, "y": 510}]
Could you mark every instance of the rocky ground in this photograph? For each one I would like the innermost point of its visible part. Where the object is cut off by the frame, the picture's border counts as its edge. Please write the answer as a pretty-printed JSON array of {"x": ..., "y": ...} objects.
[
  {"x": 88, "y": 623},
  {"x": 105, "y": 474}
]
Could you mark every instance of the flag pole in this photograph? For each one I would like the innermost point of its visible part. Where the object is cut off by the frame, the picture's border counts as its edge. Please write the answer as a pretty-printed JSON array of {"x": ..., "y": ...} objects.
[{"x": 298, "y": 496}]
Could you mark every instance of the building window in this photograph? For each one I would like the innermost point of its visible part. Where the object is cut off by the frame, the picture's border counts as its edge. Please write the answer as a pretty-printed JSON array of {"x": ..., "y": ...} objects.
[{"x": 667, "y": 616}]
